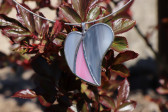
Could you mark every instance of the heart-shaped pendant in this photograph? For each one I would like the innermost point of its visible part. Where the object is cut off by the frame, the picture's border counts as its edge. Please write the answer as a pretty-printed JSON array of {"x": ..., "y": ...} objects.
[{"x": 84, "y": 52}]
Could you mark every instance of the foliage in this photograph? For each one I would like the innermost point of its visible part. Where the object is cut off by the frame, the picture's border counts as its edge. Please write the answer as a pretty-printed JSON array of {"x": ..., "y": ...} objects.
[{"x": 34, "y": 39}]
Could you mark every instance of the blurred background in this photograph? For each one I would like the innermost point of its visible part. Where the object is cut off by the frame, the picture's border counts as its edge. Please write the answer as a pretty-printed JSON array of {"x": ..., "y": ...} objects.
[{"x": 143, "y": 39}]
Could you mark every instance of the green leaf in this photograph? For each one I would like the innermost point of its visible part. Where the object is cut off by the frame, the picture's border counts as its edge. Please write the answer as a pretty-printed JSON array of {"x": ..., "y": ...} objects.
[
  {"x": 125, "y": 56},
  {"x": 107, "y": 101},
  {"x": 70, "y": 14},
  {"x": 26, "y": 18},
  {"x": 122, "y": 25},
  {"x": 127, "y": 106},
  {"x": 120, "y": 70},
  {"x": 119, "y": 44},
  {"x": 93, "y": 13},
  {"x": 123, "y": 92},
  {"x": 11, "y": 32}
]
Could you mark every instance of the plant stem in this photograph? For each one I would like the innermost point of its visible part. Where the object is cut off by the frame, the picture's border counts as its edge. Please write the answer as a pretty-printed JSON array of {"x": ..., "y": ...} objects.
[{"x": 146, "y": 40}]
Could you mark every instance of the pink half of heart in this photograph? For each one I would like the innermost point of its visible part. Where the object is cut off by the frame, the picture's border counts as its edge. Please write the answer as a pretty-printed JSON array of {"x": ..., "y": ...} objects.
[{"x": 82, "y": 70}]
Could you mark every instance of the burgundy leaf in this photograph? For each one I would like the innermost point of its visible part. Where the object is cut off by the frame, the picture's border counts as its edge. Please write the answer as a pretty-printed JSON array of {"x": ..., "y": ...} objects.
[
  {"x": 26, "y": 94},
  {"x": 110, "y": 85},
  {"x": 58, "y": 42},
  {"x": 85, "y": 107},
  {"x": 25, "y": 17},
  {"x": 93, "y": 13},
  {"x": 123, "y": 92},
  {"x": 107, "y": 101},
  {"x": 119, "y": 44},
  {"x": 162, "y": 90},
  {"x": 124, "y": 56},
  {"x": 125, "y": 9},
  {"x": 58, "y": 26},
  {"x": 81, "y": 7},
  {"x": 120, "y": 70},
  {"x": 127, "y": 106},
  {"x": 10, "y": 22},
  {"x": 43, "y": 101},
  {"x": 69, "y": 110},
  {"x": 69, "y": 14},
  {"x": 108, "y": 59},
  {"x": 12, "y": 32},
  {"x": 44, "y": 3},
  {"x": 41, "y": 25},
  {"x": 5, "y": 7},
  {"x": 122, "y": 25}
]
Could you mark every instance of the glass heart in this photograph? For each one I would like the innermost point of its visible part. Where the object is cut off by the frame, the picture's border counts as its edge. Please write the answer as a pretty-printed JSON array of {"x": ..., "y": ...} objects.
[{"x": 84, "y": 52}]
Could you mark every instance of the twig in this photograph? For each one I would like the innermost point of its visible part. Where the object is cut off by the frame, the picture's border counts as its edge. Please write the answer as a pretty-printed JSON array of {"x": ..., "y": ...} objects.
[{"x": 146, "y": 40}]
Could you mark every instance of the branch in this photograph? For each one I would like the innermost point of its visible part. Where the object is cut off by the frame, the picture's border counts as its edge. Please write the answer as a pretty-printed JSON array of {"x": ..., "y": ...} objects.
[{"x": 146, "y": 40}]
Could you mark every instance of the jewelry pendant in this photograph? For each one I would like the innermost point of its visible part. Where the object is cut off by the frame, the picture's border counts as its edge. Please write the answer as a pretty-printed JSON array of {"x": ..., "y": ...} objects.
[{"x": 84, "y": 51}]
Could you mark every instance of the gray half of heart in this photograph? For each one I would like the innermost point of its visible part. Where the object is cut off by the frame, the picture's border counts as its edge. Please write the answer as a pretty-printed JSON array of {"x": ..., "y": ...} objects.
[{"x": 94, "y": 44}]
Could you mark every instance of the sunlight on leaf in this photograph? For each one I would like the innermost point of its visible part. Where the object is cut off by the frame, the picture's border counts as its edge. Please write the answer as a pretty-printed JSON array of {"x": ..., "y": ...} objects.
[
  {"x": 93, "y": 13},
  {"x": 25, "y": 94},
  {"x": 123, "y": 92},
  {"x": 122, "y": 25},
  {"x": 128, "y": 106}
]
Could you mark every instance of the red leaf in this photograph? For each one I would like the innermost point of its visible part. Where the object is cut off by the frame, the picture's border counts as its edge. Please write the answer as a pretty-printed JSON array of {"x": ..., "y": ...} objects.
[
  {"x": 127, "y": 106},
  {"x": 25, "y": 94},
  {"x": 81, "y": 6},
  {"x": 26, "y": 18},
  {"x": 121, "y": 70},
  {"x": 43, "y": 101},
  {"x": 69, "y": 14},
  {"x": 5, "y": 7},
  {"x": 107, "y": 101},
  {"x": 57, "y": 27},
  {"x": 123, "y": 92},
  {"x": 125, "y": 9},
  {"x": 69, "y": 110},
  {"x": 124, "y": 56},
  {"x": 122, "y": 25},
  {"x": 41, "y": 25},
  {"x": 162, "y": 90},
  {"x": 13, "y": 32}
]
